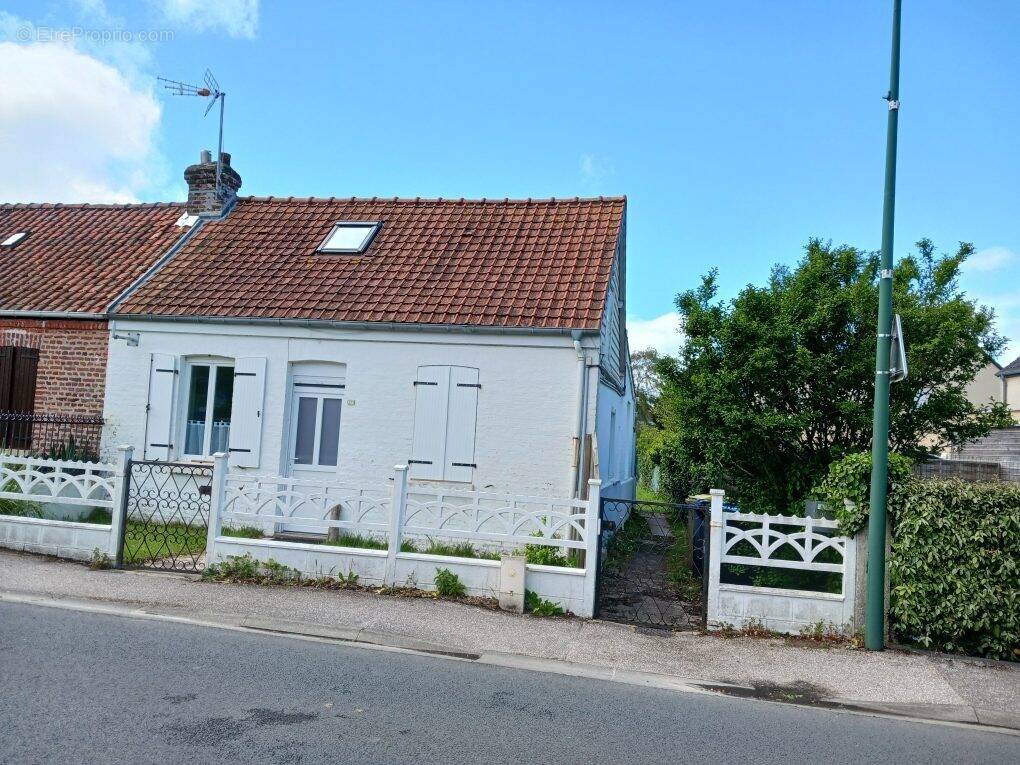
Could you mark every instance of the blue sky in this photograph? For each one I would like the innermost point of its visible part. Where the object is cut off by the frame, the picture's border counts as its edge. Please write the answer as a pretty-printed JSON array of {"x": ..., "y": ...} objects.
[{"x": 737, "y": 130}]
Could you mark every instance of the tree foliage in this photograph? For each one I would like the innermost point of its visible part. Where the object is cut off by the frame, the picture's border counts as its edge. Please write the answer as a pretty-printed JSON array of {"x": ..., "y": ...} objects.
[
  {"x": 773, "y": 386},
  {"x": 647, "y": 384}
]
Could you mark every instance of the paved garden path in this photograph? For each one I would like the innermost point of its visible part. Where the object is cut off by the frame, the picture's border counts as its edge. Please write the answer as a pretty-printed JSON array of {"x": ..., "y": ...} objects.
[{"x": 641, "y": 593}]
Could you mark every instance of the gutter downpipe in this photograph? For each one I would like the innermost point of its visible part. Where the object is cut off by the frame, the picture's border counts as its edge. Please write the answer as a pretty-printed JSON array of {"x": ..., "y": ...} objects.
[{"x": 582, "y": 406}]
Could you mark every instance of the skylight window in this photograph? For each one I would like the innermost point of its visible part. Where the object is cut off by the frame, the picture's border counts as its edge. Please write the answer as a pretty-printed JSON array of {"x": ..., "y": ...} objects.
[
  {"x": 350, "y": 237},
  {"x": 13, "y": 239}
]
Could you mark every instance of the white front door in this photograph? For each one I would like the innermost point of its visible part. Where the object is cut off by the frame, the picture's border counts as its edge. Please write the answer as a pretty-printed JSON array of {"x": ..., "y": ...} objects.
[{"x": 315, "y": 406}]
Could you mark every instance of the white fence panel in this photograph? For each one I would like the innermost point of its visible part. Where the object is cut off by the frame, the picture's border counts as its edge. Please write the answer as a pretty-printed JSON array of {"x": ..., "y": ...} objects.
[
  {"x": 66, "y": 482},
  {"x": 782, "y": 610},
  {"x": 507, "y": 520}
]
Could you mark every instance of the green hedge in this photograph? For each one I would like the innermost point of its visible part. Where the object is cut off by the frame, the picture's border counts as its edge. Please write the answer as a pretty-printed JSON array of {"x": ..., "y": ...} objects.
[{"x": 955, "y": 567}]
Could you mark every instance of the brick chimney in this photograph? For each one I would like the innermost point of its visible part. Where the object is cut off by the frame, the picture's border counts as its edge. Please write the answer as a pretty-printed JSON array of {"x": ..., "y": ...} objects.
[{"x": 201, "y": 179}]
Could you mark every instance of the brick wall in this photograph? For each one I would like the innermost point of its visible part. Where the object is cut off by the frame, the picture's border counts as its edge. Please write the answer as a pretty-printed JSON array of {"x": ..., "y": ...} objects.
[{"x": 71, "y": 377}]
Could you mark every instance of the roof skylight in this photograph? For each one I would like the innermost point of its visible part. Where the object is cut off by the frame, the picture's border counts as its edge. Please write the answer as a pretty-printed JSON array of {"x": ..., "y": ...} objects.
[
  {"x": 350, "y": 237},
  {"x": 13, "y": 239}
]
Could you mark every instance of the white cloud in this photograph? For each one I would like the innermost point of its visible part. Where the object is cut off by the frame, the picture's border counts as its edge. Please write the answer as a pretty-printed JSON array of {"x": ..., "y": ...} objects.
[
  {"x": 73, "y": 128},
  {"x": 661, "y": 333},
  {"x": 238, "y": 18},
  {"x": 593, "y": 169},
  {"x": 988, "y": 259}
]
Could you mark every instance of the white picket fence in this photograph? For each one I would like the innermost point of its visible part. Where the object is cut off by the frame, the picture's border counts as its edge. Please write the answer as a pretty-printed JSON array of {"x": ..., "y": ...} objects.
[
  {"x": 393, "y": 514},
  {"x": 54, "y": 484},
  {"x": 782, "y": 610}
]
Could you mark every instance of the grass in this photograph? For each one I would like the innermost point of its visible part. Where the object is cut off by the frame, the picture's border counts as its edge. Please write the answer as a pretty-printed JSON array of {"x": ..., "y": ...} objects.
[
  {"x": 18, "y": 507},
  {"x": 347, "y": 539},
  {"x": 144, "y": 543},
  {"x": 245, "y": 532},
  {"x": 645, "y": 494}
]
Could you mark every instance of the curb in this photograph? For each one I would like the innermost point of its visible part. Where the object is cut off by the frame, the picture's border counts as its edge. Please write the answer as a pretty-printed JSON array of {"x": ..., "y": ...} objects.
[{"x": 961, "y": 715}]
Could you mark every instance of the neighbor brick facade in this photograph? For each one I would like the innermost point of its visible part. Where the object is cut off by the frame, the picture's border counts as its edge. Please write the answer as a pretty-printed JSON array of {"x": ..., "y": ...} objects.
[{"x": 71, "y": 376}]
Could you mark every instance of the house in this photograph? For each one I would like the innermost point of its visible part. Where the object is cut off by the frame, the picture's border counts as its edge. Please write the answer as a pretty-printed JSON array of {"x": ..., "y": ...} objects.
[
  {"x": 62, "y": 268},
  {"x": 481, "y": 342},
  {"x": 1010, "y": 375}
]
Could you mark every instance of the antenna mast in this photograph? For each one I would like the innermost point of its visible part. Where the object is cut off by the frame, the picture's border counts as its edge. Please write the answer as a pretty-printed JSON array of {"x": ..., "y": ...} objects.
[{"x": 212, "y": 91}]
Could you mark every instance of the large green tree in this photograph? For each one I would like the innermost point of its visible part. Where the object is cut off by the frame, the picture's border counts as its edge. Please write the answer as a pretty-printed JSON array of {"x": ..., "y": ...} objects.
[{"x": 773, "y": 386}]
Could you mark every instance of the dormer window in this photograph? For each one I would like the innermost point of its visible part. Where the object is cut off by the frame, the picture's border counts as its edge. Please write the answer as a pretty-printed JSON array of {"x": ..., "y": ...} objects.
[
  {"x": 13, "y": 239},
  {"x": 350, "y": 237}
]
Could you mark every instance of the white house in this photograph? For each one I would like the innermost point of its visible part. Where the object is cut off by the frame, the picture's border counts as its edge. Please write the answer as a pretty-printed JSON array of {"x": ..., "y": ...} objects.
[{"x": 482, "y": 342}]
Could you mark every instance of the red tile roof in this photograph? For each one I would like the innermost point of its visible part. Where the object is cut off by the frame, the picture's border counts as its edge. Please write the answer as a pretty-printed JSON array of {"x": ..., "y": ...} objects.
[
  {"x": 505, "y": 263},
  {"x": 78, "y": 258}
]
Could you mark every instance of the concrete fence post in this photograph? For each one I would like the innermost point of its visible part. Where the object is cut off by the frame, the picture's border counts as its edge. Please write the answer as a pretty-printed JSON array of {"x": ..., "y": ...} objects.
[
  {"x": 860, "y": 574},
  {"x": 398, "y": 507},
  {"x": 217, "y": 501},
  {"x": 118, "y": 512},
  {"x": 592, "y": 545},
  {"x": 714, "y": 562}
]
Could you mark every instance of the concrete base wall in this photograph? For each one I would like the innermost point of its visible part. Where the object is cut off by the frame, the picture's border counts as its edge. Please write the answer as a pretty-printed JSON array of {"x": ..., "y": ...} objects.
[
  {"x": 63, "y": 539},
  {"x": 790, "y": 611},
  {"x": 563, "y": 586}
]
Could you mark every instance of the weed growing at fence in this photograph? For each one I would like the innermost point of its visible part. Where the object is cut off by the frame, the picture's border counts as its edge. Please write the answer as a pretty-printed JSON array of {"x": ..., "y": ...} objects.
[
  {"x": 458, "y": 549},
  {"x": 539, "y": 606},
  {"x": 545, "y": 555},
  {"x": 625, "y": 542},
  {"x": 100, "y": 560},
  {"x": 234, "y": 568},
  {"x": 448, "y": 584},
  {"x": 245, "y": 532},
  {"x": 678, "y": 568}
]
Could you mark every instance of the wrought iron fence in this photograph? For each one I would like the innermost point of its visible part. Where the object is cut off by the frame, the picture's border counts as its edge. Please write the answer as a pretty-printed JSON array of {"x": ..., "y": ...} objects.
[
  {"x": 56, "y": 436},
  {"x": 166, "y": 516}
]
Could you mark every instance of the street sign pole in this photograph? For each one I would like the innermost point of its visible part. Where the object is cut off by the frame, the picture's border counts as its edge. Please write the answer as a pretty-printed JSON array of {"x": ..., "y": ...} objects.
[{"x": 874, "y": 626}]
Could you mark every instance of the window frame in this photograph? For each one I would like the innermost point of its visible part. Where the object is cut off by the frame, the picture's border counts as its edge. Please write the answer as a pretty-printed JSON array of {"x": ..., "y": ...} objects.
[
  {"x": 213, "y": 362},
  {"x": 373, "y": 229},
  {"x": 319, "y": 388}
]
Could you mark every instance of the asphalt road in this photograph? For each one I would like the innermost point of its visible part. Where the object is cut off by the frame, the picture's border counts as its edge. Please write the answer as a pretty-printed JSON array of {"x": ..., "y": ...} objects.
[{"x": 78, "y": 687}]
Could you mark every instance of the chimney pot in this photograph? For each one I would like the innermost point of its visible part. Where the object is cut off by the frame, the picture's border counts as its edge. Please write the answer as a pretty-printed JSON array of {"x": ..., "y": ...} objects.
[{"x": 204, "y": 157}]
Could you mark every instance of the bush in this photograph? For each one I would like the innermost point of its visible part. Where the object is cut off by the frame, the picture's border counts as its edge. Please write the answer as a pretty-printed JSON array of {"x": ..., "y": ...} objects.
[
  {"x": 955, "y": 567},
  {"x": 850, "y": 478},
  {"x": 448, "y": 584},
  {"x": 540, "y": 606}
]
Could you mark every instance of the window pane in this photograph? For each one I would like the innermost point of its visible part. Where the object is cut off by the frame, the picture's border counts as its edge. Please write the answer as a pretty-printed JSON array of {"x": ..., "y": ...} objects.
[
  {"x": 304, "y": 440},
  {"x": 198, "y": 402},
  {"x": 223, "y": 395},
  {"x": 329, "y": 435}
]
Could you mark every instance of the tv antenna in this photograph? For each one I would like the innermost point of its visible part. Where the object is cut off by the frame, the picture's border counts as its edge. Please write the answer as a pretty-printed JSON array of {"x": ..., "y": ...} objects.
[{"x": 213, "y": 93}]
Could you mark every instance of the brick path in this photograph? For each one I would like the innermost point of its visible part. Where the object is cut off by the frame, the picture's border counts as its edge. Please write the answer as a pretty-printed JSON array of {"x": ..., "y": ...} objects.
[{"x": 641, "y": 593}]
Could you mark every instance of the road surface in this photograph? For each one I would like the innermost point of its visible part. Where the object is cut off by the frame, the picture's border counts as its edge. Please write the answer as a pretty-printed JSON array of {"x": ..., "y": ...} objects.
[{"x": 81, "y": 687}]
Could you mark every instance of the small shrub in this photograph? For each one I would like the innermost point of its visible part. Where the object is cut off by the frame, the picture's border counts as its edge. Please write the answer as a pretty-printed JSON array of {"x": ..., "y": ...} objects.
[
  {"x": 540, "y": 606},
  {"x": 448, "y": 584},
  {"x": 100, "y": 560},
  {"x": 19, "y": 508},
  {"x": 245, "y": 532}
]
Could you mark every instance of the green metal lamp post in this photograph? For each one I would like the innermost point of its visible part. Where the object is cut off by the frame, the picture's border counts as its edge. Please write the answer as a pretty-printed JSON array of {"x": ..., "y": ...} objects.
[{"x": 874, "y": 627}]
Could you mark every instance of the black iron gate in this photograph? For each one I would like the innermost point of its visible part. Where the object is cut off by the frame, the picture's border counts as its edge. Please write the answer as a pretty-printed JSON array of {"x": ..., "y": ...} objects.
[
  {"x": 166, "y": 516},
  {"x": 654, "y": 566}
]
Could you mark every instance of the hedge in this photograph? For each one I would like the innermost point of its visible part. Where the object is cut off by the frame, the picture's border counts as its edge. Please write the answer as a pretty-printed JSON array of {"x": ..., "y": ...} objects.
[{"x": 955, "y": 567}]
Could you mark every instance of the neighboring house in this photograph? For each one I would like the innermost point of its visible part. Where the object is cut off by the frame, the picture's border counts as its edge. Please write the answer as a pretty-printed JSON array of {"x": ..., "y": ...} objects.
[
  {"x": 987, "y": 386},
  {"x": 63, "y": 266},
  {"x": 1010, "y": 375},
  {"x": 481, "y": 342}
]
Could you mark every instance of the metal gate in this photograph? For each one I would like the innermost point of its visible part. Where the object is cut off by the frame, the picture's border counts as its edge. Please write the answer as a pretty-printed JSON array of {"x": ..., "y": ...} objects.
[
  {"x": 651, "y": 575},
  {"x": 166, "y": 516}
]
